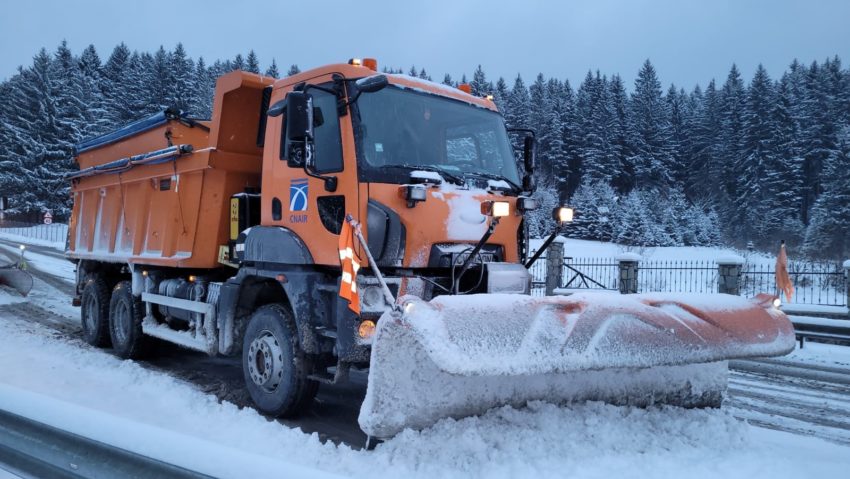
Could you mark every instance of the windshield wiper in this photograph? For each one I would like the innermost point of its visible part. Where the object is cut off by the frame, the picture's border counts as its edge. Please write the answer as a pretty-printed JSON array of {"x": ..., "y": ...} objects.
[
  {"x": 445, "y": 174},
  {"x": 492, "y": 176}
]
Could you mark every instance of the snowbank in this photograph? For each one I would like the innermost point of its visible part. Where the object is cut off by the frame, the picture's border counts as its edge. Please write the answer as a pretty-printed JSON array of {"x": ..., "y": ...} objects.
[{"x": 589, "y": 440}]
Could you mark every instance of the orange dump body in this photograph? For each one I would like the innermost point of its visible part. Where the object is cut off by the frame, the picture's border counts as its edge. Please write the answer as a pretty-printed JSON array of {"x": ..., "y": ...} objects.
[{"x": 167, "y": 212}]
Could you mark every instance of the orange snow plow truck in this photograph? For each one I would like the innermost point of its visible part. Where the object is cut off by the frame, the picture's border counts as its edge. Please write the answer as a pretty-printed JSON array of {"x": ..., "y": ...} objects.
[{"x": 223, "y": 236}]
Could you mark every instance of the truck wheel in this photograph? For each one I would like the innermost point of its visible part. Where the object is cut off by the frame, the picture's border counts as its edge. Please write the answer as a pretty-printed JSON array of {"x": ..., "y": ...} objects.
[
  {"x": 125, "y": 322},
  {"x": 274, "y": 366},
  {"x": 94, "y": 313}
]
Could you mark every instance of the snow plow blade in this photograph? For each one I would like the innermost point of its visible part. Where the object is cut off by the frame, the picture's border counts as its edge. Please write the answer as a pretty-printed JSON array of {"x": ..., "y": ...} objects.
[
  {"x": 457, "y": 356},
  {"x": 19, "y": 280}
]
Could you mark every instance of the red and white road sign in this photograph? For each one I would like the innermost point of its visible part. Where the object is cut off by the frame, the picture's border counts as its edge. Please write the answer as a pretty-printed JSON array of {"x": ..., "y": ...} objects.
[{"x": 48, "y": 218}]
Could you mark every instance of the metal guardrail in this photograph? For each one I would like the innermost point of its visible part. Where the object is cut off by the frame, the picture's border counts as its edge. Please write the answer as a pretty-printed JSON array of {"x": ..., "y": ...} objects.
[
  {"x": 32, "y": 449},
  {"x": 836, "y": 333}
]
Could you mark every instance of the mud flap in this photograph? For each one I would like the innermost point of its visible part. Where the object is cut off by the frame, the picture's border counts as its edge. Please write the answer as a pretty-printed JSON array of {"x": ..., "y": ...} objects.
[
  {"x": 17, "y": 279},
  {"x": 459, "y": 356}
]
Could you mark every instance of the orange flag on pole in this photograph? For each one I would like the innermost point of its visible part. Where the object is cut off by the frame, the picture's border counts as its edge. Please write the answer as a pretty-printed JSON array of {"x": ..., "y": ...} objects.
[
  {"x": 350, "y": 265},
  {"x": 783, "y": 280}
]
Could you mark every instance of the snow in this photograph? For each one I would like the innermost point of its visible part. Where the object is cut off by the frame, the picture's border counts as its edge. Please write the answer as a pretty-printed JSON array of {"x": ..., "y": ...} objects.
[
  {"x": 465, "y": 221},
  {"x": 7, "y": 297},
  {"x": 497, "y": 185},
  {"x": 147, "y": 411},
  {"x": 833, "y": 323},
  {"x": 819, "y": 353},
  {"x": 846, "y": 264},
  {"x": 796, "y": 308},
  {"x": 432, "y": 176},
  {"x": 195, "y": 453},
  {"x": 730, "y": 259},
  {"x": 628, "y": 257}
]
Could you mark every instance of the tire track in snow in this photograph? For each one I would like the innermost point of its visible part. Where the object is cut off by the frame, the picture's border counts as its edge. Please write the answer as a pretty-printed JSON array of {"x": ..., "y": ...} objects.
[{"x": 805, "y": 399}]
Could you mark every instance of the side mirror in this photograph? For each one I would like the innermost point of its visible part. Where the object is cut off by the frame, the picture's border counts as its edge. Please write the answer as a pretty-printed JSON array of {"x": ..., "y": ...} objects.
[
  {"x": 372, "y": 84},
  {"x": 277, "y": 109},
  {"x": 528, "y": 183},
  {"x": 528, "y": 153}
]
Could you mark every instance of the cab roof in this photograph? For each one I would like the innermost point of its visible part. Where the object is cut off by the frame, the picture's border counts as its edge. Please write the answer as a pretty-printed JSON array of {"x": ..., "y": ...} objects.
[{"x": 354, "y": 72}]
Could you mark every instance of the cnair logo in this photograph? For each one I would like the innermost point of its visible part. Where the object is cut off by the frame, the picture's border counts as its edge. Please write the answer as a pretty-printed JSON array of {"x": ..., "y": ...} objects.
[{"x": 298, "y": 194}]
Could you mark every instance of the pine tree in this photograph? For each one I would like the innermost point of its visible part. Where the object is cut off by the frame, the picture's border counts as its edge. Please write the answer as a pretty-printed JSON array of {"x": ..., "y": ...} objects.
[
  {"x": 238, "y": 63},
  {"x": 252, "y": 64},
  {"x": 447, "y": 80},
  {"x": 501, "y": 95},
  {"x": 732, "y": 110},
  {"x": 293, "y": 70},
  {"x": 618, "y": 135},
  {"x": 272, "y": 70},
  {"x": 679, "y": 137},
  {"x": 650, "y": 132},
  {"x": 749, "y": 211},
  {"x": 479, "y": 84},
  {"x": 181, "y": 80}
]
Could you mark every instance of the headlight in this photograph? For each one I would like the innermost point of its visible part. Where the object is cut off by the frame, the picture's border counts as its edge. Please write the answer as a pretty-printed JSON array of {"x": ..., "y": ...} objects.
[
  {"x": 496, "y": 209},
  {"x": 524, "y": 203},
  {"x": 366, "y": 329},
  {"x": 413, "y": 194},
  {"x": 562, "y": 214},
  {"x": 777, "y": 303}
]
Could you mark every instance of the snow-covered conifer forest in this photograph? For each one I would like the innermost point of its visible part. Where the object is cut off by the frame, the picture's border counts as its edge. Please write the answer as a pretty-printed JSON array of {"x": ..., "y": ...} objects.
[{"x": 729, "y": 161}]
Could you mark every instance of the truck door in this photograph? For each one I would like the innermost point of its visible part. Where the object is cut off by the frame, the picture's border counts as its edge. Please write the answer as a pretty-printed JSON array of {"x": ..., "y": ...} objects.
[{"x": 297, "y": 201}]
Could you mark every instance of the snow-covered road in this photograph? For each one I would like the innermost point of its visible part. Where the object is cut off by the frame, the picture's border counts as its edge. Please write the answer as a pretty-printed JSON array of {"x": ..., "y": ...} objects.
[{"x": 792, "y": 405}]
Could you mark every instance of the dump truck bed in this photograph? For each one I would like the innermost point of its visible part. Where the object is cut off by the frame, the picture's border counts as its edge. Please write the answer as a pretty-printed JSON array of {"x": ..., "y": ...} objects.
[{"x": 157, "y": 191}]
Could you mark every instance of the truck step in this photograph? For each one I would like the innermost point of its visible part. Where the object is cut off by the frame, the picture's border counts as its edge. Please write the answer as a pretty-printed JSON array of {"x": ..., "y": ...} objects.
[{"x": 182, "y": 338}]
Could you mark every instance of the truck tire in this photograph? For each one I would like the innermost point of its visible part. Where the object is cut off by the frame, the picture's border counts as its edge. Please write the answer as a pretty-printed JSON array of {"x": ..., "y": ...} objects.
[
  {"x": 94, "y": 313},
  {"x": 275, "y": 368},
  {"x": 125, "y": 322}
]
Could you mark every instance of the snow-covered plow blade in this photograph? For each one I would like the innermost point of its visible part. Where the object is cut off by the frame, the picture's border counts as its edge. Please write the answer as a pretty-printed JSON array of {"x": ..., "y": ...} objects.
[
  {"x": 461, "y": 355},
  {"x": 17, "y": 279}
]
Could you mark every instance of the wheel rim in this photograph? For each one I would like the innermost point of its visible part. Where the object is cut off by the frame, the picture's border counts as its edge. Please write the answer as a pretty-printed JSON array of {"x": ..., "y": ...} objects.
[
  {"x": 121, "y": 319},
  {"x": 89, "y": 321},
  {"x": 265, "y": 361}
]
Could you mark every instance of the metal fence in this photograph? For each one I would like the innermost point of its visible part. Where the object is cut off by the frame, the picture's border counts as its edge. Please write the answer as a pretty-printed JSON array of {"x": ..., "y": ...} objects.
[
  {"x": 53, "y": 233},
  {"x": 591, "y": 273},
  {"x": 820, "y": 283},
  {"x": 817, "y": 283},
  {"x": 677, "y": 276}
]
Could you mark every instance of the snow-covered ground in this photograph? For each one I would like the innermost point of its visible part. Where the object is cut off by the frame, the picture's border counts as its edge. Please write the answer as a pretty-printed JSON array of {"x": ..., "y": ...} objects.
[{"x": 48, "y": 376}]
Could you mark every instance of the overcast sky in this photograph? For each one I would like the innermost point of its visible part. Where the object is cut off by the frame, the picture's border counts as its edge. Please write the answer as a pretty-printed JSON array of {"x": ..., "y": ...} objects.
[{"x": 689, "y": 42}]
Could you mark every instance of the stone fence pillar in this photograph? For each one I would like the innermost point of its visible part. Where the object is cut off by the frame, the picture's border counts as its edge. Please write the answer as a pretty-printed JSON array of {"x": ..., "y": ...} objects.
[
  {"x": 554, "y": 266},
  {"x": 729, "y": 269},
  {"x": 628, "y": 272},
  {"x": 847, "y": 283}
]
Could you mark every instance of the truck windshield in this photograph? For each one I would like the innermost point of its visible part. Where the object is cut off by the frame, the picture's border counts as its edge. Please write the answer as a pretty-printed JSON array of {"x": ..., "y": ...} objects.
[{"x": 401, "y": 129}]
